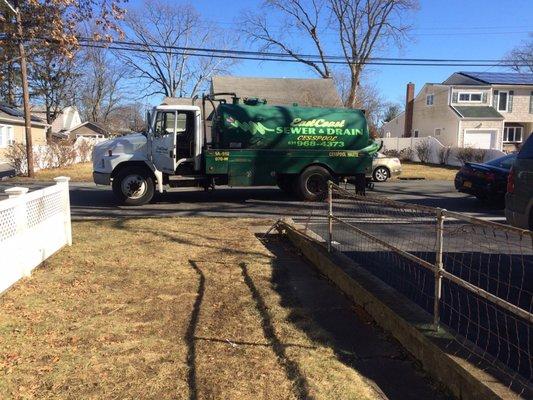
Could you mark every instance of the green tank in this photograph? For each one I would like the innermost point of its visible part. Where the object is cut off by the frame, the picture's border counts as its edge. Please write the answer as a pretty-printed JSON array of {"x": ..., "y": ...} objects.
[{"x": 256, "y": 125}]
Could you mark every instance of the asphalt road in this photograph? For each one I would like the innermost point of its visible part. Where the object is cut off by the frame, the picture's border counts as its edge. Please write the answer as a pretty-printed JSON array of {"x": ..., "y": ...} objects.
[{"x": 89, "y": 201}]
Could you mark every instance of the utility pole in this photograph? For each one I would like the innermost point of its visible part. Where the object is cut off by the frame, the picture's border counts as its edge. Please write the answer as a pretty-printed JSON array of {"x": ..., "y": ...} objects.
[{"x": 25, "y": 90}]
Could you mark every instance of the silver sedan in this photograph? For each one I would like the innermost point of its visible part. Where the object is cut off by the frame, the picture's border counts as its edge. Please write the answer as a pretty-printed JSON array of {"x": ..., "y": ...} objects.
[{"x": 384, "y": 167}]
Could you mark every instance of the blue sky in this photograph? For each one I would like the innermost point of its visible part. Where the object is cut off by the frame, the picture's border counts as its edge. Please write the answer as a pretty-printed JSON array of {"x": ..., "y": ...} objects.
[{"x": 484, "y": 29}]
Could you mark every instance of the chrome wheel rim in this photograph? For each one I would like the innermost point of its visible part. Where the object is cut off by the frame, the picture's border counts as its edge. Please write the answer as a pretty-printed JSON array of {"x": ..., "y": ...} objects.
[
  {"x": 134, "y": 186},
  {"x": 381, "y": 174}
]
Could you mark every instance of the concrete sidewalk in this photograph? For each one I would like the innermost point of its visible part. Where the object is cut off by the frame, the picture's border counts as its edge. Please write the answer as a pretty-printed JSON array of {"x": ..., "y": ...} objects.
[{"x": 350, "y": 332}]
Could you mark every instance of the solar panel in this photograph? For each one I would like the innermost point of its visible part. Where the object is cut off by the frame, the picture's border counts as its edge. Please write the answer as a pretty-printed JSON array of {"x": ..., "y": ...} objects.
[
  {"x": 15, "y": 112},
  {"x": 510, "y": 78},
  {"x": 11, "y": 111}
]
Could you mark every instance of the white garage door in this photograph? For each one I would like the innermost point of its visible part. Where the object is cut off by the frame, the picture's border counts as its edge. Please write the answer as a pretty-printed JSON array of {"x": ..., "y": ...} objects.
[{"x": 479, "y": 139}]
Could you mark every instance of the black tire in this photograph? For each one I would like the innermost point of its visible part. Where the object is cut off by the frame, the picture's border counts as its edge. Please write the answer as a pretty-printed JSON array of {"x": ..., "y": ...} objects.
[
  {"x": 312, "y": 184},
  {"x": 134, "y": 186},
  {"x": 381, "y": 174},
  {"x": 287, "y": 183}
]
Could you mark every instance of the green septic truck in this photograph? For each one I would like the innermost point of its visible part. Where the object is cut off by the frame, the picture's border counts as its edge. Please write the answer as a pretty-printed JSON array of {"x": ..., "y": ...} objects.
[{"x": 251, "y": 143}]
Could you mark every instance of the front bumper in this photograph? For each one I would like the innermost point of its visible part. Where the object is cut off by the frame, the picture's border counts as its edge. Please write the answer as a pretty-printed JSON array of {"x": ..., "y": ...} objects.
[
  {"x": 395, "y": 171},
  {"x": 101, "y": 178},
  {"x": 516, "y": 219}
]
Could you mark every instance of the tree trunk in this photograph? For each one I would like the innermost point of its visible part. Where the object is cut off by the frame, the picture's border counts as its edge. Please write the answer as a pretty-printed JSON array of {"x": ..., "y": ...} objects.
[{"x": 354, "y": 85}]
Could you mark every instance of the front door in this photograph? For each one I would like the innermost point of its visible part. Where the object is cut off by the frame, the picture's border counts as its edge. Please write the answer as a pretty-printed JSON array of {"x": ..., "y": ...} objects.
[{"x": 164, "y": 141}]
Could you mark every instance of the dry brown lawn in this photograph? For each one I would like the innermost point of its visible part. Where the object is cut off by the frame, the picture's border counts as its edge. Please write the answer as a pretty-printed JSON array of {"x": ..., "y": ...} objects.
[
  {"x": 428, "y": 171},
  {"x": 163, "y": 309},
  {"x": 82, "y": 172}
]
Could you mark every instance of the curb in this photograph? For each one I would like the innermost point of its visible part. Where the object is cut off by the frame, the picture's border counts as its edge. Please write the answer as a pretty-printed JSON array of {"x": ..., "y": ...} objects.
[{"x": 466, "y": 376}]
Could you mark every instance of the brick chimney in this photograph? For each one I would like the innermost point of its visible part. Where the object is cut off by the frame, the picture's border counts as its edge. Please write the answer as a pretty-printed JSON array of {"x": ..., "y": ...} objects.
[{"x": 409, "y": 105}]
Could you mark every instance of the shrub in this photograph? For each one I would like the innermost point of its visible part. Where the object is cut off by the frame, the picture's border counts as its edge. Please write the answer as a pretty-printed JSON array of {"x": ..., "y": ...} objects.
[
  {"x": 465, "y": 154},
  {"x": 16, "y": 156},
  {"x": 85, "y": 148},
  {"x": 66, "y": 154},
  {"x": 479, "y": 155},
  {"x": 423, "y": 151},
  {"x": 406, "y": 154},
  {"x": 444, "y": 154},
  {"x": 392, "y": 153},
  {"x": 59, "y": 154}
]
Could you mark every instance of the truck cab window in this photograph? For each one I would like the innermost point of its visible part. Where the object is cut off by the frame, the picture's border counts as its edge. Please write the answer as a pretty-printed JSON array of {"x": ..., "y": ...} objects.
[
  {"x": 165, "y": 123},
  {"x": 182, "y": 123}
]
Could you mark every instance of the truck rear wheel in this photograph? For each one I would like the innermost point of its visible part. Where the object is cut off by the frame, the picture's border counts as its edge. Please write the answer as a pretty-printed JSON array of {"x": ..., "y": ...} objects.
[
  {"x": 287, "y": 183},
  {"x": 312, "y": 183},
  {"x": 133, "y": 186}
]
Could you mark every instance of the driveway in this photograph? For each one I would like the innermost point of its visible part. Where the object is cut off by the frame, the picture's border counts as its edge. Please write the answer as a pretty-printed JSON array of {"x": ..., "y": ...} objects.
[{"x": 89, "y": 201}]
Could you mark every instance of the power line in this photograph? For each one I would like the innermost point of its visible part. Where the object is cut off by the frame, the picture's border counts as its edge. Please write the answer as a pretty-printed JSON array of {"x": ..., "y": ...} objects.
[
  {"x": 397, "y": 62},
  {"x": 308, "y": 57}
]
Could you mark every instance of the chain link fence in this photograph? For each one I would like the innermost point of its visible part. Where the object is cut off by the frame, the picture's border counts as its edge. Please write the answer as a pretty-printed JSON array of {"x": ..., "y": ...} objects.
[{"x": 473, "y": 276}]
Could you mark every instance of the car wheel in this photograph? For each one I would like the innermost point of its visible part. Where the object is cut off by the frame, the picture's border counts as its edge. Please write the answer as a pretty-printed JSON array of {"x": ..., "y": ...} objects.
[
  {"x": 312, "y": 183},
  {"x": 134, "y": 186},
  {"x": 381, "y": 174}
]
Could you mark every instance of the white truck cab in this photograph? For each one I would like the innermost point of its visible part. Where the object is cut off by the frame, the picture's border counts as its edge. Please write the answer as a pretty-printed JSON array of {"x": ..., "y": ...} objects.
[{"x": 136, "y": 165}]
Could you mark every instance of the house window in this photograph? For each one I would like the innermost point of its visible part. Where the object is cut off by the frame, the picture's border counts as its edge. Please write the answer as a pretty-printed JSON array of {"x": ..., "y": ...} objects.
[
  {"x": 416, "y": 133},
  {"x": 468, "y": 97},
  {"x": 503, "y": 100},
  {"x": 387, "y": 134},
  {"x": 437, "y": 131},
  {"x": 6, "y": 136},
  {"x": 429, "y": 100},
  {"x": 512, "y": 134}
]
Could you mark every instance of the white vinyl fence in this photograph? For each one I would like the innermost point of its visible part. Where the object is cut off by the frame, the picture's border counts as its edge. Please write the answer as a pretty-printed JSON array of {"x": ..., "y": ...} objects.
[
  {"x": 33, "y": 226},
  {"x": 399, "y": 144}
]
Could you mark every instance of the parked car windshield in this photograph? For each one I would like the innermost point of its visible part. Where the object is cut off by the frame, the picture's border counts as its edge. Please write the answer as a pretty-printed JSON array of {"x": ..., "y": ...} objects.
[
  {"x": 527, "y": 149},
  {"x": 503, "y": 162}
]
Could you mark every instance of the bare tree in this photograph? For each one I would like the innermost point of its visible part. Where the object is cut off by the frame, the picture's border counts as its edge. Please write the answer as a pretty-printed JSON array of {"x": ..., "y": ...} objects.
[
  {"x": 299, "y": 20},
  {"x": 361, "y": 26},
  {"x": 521, "y": 57},
  {"x": 51, "y": 79},
  {"x": 164, "y": 30},
  {"x": 368, "y": 99},
  {"x": 392, "y": 110},
  {"x": 102, "y": 86}
]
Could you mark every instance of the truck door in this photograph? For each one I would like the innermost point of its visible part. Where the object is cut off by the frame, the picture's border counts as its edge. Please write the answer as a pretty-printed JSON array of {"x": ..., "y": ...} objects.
[{"x": 164, "y": 141}]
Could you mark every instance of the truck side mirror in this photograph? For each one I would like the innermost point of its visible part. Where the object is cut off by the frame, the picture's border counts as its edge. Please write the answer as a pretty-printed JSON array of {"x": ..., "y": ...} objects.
[{"x": 148, "y": 121}]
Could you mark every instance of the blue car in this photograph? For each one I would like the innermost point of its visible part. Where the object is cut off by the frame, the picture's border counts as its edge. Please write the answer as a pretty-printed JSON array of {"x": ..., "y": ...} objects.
[{"x": 486, "y": 181}]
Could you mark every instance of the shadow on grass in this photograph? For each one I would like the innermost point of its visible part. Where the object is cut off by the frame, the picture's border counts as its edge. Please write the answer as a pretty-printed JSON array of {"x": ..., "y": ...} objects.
[
  {"x": 292, "y": 371},
  {"x": 190, "y": 333}
]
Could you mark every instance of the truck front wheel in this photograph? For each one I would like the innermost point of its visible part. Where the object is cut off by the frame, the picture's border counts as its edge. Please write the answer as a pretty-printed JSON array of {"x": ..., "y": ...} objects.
[
  {"x": 133, "y": 186},
  {"x": 313, "y": 183}
]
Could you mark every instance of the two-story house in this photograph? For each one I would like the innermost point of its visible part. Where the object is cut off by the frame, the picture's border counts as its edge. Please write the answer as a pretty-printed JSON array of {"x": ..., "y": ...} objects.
[{"x": 469, "y": 109}]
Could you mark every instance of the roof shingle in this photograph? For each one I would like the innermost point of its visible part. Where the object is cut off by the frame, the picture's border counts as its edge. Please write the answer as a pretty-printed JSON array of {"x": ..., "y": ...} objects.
[{"x": 481, "y": 112}]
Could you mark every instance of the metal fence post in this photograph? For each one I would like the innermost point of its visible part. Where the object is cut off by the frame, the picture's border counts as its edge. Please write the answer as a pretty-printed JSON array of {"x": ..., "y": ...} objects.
[
  {"x": 330, "y": 214},
  {"x": 439, "y": 267}
]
